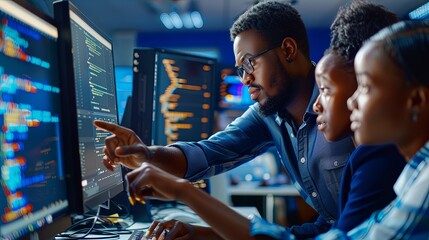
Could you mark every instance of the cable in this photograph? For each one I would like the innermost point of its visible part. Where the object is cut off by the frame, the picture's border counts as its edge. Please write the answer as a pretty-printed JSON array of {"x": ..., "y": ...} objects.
[
  {"x": 78, "y": 235},
  {"x": 121, "y": 207}
]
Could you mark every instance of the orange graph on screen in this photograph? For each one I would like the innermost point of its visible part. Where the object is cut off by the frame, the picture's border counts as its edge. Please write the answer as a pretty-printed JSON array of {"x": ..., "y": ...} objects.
[{"x": 170, "y": 101}]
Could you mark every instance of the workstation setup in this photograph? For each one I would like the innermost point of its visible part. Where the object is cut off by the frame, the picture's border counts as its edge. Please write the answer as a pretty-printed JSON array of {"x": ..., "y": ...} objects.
[
  {"x": 58, "y": 77},
  {"x": 61, "y": 73}
]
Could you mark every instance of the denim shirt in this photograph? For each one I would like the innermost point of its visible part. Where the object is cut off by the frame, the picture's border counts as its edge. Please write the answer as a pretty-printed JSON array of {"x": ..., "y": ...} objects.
[{"x": 316, "y": 174}]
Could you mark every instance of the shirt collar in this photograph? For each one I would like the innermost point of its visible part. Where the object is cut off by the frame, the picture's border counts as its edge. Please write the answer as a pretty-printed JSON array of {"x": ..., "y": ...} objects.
[
  {"x": 309, "y": 110},
  {"x": 421, "y": 155},
  {"x": 412, "y": 170}
]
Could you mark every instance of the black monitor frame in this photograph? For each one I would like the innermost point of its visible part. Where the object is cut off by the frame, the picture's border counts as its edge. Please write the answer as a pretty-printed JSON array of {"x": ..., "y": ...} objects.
[{"x": 80, "y": 205}]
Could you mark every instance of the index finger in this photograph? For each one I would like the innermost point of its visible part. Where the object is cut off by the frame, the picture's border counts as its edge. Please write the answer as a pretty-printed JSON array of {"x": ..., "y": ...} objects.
[
  {"x": 111, "y": 127},
  {"x": 151, "y": 228}
]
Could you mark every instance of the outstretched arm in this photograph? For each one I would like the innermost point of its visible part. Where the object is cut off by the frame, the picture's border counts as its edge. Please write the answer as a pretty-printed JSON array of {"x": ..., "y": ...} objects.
[{"x": 126, "y": 148}]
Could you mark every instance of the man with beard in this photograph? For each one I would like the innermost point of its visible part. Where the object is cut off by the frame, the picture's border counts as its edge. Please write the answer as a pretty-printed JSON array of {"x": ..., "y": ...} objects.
[{"x": 272, "y": 58}]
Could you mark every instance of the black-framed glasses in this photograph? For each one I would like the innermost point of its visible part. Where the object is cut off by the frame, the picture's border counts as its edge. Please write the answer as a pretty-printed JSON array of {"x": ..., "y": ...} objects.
[{"x": 247, "y": 65}]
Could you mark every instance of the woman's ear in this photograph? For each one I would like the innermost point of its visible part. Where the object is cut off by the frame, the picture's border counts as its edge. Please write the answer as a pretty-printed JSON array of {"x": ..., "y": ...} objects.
[
  {"x": 418, "y": 101},
  {"x": 419, "y": 97},
  {"x": 423, "y": 92},
  {"x": 290, "y": 49}
]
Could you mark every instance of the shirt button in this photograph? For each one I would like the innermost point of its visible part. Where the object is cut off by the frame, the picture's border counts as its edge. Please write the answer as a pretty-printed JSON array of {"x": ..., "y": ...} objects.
[
  {"x": 336, "y": 163},
  {"x": 314, "y": 194},
  {"x": 291, "y": 135},
  {"x": 302, "y": 160},
  {"x": 331, "y": 221}
]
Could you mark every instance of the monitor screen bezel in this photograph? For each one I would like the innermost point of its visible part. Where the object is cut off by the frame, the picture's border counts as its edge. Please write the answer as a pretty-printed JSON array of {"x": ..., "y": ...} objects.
[{"x": 62, "y": 11}]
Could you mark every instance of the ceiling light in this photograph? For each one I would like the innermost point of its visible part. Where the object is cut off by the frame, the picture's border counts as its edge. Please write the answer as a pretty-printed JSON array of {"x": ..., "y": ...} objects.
[
  {"x": 196, "y": 19},
  {"x": 176, "y": 16},
  {"x": 187, "y": 21},
  {"x": 166, "y": 20},
  {"x": 176, "y": 20},
  {"x": 420, "y": 13}
]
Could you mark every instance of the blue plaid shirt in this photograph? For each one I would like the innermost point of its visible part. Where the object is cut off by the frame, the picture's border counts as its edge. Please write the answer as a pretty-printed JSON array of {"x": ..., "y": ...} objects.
[{"x": 407, "y": 217}]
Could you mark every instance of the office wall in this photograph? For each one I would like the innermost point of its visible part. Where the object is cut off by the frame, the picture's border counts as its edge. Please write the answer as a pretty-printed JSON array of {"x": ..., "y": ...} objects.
[
  {"x": 124, "y": 43},
  {"x": 220, "y": 41}
]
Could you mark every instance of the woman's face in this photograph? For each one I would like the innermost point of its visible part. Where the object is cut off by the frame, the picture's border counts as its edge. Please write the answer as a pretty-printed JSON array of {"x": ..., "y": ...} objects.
[
  {"x": 379, "y": 105},
  {"x": 336, "y": 83}
]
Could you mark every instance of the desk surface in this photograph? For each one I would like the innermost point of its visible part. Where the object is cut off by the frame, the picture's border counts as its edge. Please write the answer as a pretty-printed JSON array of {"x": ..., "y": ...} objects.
[
  {"x": 245, "y": 211},
  {"x": 255, "y": 190}
]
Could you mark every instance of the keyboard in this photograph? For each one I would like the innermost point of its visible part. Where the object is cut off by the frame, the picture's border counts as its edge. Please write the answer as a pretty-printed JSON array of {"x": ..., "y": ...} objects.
[{"x": 137, "y": 234}]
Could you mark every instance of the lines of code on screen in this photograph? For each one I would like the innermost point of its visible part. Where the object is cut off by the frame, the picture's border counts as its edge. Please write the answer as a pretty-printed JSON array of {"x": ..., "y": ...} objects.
[
  {"x": 32, "y": 177},
  {"x": 95, "y": 100},
  {"x": 184, "y": 99}
]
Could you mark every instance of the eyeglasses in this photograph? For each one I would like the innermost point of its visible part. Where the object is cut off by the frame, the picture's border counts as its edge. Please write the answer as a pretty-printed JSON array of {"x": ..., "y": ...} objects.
[{"x": 247, "y": 63}]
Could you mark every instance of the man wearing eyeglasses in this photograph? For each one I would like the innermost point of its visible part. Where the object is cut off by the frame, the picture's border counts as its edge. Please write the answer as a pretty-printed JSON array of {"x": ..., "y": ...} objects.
[{"x": 272, "y": 58}]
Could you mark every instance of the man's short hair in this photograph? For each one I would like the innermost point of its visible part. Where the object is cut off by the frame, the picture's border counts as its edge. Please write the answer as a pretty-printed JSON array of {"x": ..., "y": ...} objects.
[{"x": 274, "y": 21}]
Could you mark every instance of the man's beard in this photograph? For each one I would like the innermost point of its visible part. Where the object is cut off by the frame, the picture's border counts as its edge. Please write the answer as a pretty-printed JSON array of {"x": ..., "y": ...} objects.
[
  {"x": 273, "y": 105},
  {"x": 276, "y": 103}
]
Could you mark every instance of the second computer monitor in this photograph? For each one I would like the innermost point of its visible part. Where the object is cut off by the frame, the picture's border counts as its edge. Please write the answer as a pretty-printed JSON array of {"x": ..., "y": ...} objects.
[
  {"x": 173, "y": 96},
  {"x": 89, "y": 94}
]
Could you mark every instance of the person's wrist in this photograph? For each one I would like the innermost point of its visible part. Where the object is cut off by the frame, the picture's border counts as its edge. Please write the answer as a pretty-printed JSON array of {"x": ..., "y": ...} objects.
[
  {"x": 204, "y": 233},
  {"x": 149, "y": 154},
  {"x": 186, "y": 190}
]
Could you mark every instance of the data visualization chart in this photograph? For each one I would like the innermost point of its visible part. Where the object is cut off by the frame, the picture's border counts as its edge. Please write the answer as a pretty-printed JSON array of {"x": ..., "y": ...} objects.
[
  {"x": 173, "y": 96},
  {"x": 185, "y": 103}
]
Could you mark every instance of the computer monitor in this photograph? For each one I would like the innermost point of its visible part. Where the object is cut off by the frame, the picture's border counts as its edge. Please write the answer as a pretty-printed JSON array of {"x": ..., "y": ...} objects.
[
  {"x": 233, "y": 94},
  {"x": 173, "y": 96},
  {"x": 173, "y": 99},
  {"x": 88, "y": 77},
  {"x": 33, "y": 195}
]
